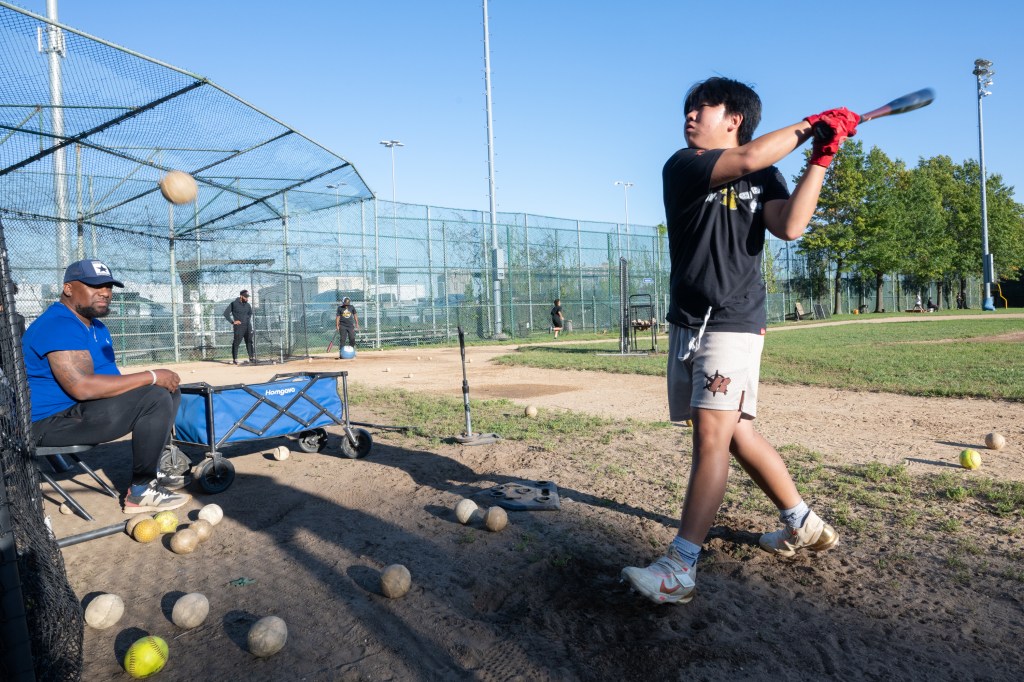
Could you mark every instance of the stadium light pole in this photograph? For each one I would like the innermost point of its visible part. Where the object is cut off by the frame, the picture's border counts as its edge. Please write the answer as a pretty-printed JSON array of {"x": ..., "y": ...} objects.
[
  {"x": 625, "y": 197},
  {"x": 983, "y": 71},
  {"x": 337, "y": 208},
  {"x": 391, "y": 144}
]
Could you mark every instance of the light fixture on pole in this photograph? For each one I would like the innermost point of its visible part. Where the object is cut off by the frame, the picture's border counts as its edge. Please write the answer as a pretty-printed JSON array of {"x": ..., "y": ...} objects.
[
  {"x": 391, "y": 144},
  {"x": 625, "y": 197},
  {"x": 983, "y": 71}
]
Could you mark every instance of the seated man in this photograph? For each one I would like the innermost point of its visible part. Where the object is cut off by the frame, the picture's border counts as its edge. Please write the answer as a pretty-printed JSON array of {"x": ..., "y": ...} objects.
[
  {"x": 931, "y": 306},
  {"x": 80, "y": 397}
]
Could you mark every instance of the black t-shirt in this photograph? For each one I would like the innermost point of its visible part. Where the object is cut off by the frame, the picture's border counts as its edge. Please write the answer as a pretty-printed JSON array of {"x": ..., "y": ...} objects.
[
  {"x": 556, "y": 315},
  {"x": 715, "y": 239},
  {"x": 347, "y": 313}
]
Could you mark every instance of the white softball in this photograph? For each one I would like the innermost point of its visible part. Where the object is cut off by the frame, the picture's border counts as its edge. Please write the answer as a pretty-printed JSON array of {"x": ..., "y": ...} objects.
[
  {"x": 104, "y": 611},
  {"x": 212, "y": 513},
  {"x": 190, "y": 611},
  {"x": 464, "y": 510}
]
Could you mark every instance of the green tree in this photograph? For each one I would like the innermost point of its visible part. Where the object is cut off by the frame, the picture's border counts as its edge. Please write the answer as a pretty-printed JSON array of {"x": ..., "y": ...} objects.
[
  {"x": 880, "y": 243},
  {"x": 839, "y": 217},
  {"x": 930, "y": 248}
]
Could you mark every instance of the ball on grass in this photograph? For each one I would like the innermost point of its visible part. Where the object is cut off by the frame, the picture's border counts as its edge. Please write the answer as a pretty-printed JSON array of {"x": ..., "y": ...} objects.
[
  {"x": 464, "y": 510},
  {"x": 496, "y": 519},
  {"x": 190, "y": 611},
  {"x": 395, "y": 581},
  {"x": 167, "y": 520},
  {"x": 970, "y": 459},
  {"x": 267, "y": 636},
  {"x": 104, "y": 611},
  {"x": 184, "y": 541},
  {"x": 203, "y": 529},
  {"x": 212, "y": 513},
  {"x": 179, "y": 187},
  {"x": 995, "y": 441},
  {"x": 146, "y": 530},
  {"x": 147, "y": 656},
  {"x": 531, "y": 411}
]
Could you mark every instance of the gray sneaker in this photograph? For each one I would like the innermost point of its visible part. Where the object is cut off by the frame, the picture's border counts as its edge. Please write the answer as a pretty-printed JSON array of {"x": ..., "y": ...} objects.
[{"x": 155, "y": 498}]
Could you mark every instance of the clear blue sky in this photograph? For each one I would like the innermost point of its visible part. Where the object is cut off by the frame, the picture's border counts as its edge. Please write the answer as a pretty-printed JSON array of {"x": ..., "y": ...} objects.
[{"x": 585, "y": 92}]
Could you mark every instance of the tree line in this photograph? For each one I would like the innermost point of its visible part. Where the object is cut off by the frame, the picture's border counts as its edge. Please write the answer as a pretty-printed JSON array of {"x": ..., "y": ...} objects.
[{"x": 877, "y": 217}]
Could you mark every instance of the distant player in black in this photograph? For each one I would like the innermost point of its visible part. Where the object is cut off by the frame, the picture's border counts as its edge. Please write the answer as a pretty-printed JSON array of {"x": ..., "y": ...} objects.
[
  {"x": 239, "y": 314},
  {"x": 556, "y": 317},
  {"x": 346, "y": 321}
]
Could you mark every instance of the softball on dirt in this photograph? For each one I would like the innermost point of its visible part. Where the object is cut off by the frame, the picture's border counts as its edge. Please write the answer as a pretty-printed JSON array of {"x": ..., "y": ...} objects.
[
  {"x": 184, "y": 541},
  {"x": 464, "y": 510},
  {"x": 167, "y": 520},
  {"x": 995, "y": 441},
  {"x": 267, "y": 636},
  {"x": 395, "y": 581},
  {"x": 496, "y": 519},
  {"x": 970, "y": 459},
  {"x": 146, "y": 657},
  {"x": 104, "y": 611},
  {"x": 212, "y": 513},
  {"x": 129, "y": 527},
  {"x": 178, "y": 187},
  {"x": 530, "y": 411},
  {"x": 203, "y": 529},
  {"x": 146, "y": 530},
  {"x": 190, "y": 611},
  {"x": 281, "y": 453}
]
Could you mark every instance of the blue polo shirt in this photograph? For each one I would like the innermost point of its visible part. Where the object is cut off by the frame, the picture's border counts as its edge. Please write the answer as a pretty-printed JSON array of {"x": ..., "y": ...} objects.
[{"x": 60, "y": 329}]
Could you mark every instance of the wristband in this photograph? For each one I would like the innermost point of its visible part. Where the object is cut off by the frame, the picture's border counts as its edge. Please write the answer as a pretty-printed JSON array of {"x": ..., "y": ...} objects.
[{"x": 152, "y": 383}]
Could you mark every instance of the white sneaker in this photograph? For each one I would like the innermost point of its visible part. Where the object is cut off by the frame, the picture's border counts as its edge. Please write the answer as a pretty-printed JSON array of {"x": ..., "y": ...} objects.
[
  {"x": 815, "y": 535},
  {"x": 667, "y": 581}
]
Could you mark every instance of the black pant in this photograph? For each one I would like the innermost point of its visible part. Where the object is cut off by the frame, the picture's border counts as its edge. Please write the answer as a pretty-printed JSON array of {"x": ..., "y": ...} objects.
[
  {"x": 347, "y": 336},
  {"x": 147, "y": 413},
  {"x": 242, "y": 331}
]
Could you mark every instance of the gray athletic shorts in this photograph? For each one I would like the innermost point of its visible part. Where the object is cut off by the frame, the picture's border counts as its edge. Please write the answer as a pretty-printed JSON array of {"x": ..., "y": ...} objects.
[{"x": 721, "y": 374}]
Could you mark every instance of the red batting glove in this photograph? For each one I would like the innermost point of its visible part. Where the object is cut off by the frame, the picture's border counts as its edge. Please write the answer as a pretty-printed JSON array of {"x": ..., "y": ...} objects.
[{"x": 840, "y": 123}]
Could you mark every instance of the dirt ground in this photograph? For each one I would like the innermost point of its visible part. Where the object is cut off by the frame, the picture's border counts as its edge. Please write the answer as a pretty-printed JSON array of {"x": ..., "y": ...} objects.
[{"x": 541, "y": 600}]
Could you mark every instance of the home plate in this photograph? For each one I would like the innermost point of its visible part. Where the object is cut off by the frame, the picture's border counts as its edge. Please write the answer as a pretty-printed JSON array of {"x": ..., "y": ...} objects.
[{"x": 523, "y": 496}]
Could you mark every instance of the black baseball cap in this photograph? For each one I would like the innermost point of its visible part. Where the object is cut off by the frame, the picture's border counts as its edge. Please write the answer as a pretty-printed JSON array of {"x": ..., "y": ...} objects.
[
  {"x": 244, "y": 292},
  {"x": 346, "y": 300},
  {"x": 91, "y": 272}
]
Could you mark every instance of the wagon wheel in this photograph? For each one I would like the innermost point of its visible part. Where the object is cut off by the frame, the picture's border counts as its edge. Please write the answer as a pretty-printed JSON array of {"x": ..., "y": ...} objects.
[
  {"x": 174, "y": 463},
  {"x": 312, "y": 441},
  {"x": 364, "y": 441},
  {"x": 216, "y": 475}
]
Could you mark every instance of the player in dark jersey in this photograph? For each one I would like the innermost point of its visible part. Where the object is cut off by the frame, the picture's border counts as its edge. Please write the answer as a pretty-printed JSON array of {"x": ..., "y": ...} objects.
[{"x": 721, "y": 193}]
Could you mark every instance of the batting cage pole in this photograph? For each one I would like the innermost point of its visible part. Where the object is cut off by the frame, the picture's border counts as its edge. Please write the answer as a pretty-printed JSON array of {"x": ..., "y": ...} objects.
[{"x": 624, "y": 306}]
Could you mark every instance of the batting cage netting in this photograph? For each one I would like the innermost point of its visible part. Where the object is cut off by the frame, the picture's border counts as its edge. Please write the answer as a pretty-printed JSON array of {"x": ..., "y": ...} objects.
[
  {"x": 40, "y": 616},
  {"x": 279, "y": 316}
]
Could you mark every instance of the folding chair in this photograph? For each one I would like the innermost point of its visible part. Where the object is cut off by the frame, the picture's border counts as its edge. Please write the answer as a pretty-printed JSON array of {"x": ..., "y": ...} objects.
[{"x": 55, "y": 456}]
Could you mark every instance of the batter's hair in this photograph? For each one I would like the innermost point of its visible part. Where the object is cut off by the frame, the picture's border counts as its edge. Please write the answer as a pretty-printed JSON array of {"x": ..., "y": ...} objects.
[{"x": 738, "y": 98}]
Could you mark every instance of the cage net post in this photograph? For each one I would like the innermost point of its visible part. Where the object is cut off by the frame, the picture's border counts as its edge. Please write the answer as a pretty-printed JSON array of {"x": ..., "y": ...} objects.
[
  {"x": 31, "y": 565},
  {"x": 623, "y": 306}
]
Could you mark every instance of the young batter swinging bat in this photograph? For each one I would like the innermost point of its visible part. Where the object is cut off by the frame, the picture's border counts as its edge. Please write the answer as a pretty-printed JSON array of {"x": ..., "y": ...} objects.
[{"x": 900, "y": 105}]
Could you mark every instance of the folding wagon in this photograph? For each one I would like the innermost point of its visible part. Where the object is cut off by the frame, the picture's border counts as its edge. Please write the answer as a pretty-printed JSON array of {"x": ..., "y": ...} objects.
[{"x": 296, "y": 406}]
